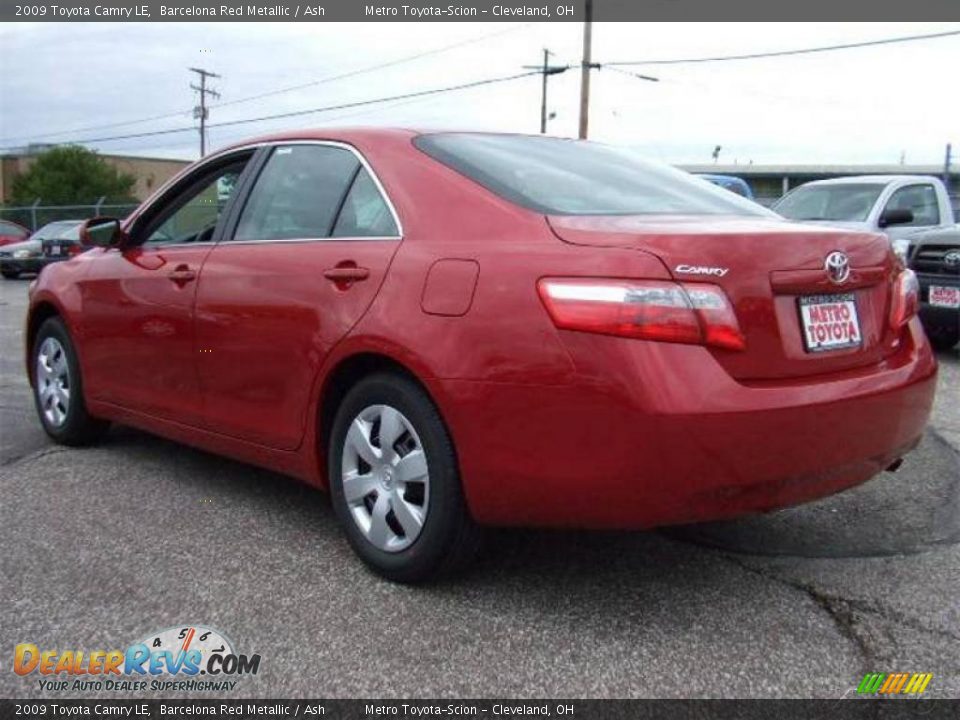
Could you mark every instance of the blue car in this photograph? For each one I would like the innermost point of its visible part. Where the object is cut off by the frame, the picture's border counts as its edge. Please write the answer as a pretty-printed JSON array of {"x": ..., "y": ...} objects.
[{"x": 731, "y": 183}]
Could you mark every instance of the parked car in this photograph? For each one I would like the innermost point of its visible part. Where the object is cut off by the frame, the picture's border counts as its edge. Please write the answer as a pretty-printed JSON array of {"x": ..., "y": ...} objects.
[
  {"x": 935, "y": 257},
  {"x": 60, "y": 240},
  {"x": 20, "y": 257},
  {"x": 53, "y": 242},
  {"x": 457, "y": 330},
  {"x": 898, "y": 205},
  {"x": 11, "y": 232},
  {"x": 729, "y": 182}
]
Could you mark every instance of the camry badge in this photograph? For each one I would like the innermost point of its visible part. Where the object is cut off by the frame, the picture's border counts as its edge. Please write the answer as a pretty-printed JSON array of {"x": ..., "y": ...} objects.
[
  {"x": 837, "y": 266},
  {"x": 702, "y": 270}
]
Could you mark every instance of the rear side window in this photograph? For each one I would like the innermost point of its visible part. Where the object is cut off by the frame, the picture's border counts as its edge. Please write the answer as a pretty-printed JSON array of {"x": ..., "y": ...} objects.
[
  {"x": 298, "y": 193},
  {"x": 364, "y": 212},
  {"x": 566, "y": 177}
]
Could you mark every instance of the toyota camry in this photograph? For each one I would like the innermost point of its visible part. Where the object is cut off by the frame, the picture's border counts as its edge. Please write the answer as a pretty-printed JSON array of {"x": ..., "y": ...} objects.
[{"x": 456, "y": 330}]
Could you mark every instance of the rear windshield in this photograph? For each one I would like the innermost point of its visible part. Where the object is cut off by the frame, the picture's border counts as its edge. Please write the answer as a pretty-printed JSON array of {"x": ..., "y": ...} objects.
[{"x": 571, "y": 177}]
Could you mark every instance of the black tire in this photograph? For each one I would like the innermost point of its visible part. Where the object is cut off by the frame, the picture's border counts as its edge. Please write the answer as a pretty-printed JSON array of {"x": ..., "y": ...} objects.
[
  {"x": 10, "y": 274},
  {"x": 449, "y": 539},
  {"x": 944, "y": 337},
  {"x": 78, "y": 426}
]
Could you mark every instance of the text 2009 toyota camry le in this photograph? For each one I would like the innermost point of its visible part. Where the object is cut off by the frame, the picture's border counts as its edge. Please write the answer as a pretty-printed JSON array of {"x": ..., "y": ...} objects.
[{"x": 455, "y": 330}]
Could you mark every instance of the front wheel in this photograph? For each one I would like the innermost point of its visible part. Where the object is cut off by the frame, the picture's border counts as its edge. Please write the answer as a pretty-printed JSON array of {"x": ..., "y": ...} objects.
[
  {"x": 58, "y": 388},
  {"x": 394, "y": 482}
]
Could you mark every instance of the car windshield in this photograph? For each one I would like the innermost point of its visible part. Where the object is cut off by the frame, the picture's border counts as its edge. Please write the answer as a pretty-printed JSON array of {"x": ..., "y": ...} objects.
[
  {"x": 571, "y": 177},
  {"x": 60, "y": 230},
  {"x": 830, "y": 202}
]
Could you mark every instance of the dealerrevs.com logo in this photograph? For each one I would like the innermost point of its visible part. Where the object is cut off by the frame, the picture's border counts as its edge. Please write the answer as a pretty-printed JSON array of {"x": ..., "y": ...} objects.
[{"x": 188, "y": 658}]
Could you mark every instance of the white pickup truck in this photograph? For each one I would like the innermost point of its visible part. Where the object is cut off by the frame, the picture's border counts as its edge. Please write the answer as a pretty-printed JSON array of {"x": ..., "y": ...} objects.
[{"x": 898, "y": 205}]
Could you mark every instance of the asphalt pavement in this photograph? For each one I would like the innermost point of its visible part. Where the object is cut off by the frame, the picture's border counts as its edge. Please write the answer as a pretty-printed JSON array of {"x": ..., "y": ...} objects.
[{"x": 101, "y": 546}]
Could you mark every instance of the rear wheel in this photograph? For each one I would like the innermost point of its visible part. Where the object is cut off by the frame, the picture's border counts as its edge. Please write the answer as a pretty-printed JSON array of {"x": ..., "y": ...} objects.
[
  {"x": 58, "y": 388},
  {"x": 394, "y": 482},
  {"x": 944, "y": 337}
]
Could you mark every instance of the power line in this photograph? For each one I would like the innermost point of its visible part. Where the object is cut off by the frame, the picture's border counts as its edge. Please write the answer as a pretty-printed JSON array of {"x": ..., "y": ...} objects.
[
  {"x": 638, "y": 76},
  {"x": 310, "y": 111},
  {"x": 371, "y": 68},
  {"x": 229, "y": 137},
  {"x": 292, "y": 88},
  {"x": 784, "y": 53}
]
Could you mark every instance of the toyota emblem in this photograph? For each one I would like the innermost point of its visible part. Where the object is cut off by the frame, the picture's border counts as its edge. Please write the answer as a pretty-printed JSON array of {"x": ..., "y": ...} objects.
[
  {"x": 952, "y": 258},
  {"x": 837, "y": 266}
]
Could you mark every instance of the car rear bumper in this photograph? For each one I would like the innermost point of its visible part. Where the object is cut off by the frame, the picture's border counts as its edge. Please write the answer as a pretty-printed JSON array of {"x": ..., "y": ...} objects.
[{"x": 671, "y": 438}]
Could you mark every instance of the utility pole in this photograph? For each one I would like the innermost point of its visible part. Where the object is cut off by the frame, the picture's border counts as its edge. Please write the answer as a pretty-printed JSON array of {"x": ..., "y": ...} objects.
[
  {"x": 200, "y": 111},
  {"x": 545, "y": 70},
  {"x": 585, "y": 67},
  {"x": 947, "y": 158}
]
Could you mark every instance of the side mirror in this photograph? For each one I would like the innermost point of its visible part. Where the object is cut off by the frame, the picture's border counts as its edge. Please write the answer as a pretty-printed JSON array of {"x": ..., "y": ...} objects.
[
  {"x": 102, "y": 232},
  {"x": 895, "y": 217}
]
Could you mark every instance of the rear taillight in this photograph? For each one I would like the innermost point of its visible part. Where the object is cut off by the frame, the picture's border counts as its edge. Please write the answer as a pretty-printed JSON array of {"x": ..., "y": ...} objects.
[
  {"x": 695, "y": 313},
  {"x": 74, "y": 249},
  {"x": 906, "y": 299}
]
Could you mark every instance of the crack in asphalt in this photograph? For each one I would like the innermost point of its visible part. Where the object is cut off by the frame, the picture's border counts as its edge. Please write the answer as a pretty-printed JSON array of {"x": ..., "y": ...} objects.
[
  {"x": 849, "y": 616},
  {"x": 838, "y": 609},
  {"x": 10, "y": 463}
]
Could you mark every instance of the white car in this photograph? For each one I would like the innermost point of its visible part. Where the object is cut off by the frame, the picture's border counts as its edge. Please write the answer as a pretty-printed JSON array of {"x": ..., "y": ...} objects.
[{"x": 898, "y": 205}]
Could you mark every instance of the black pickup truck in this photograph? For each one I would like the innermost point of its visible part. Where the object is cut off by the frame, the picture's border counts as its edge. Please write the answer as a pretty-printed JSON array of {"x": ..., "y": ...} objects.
[{"x": 935, "y": 258}]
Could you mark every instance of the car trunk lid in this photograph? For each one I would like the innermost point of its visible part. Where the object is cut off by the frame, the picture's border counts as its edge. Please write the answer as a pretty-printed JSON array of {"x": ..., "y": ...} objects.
[{"x": 768, "y": 269}]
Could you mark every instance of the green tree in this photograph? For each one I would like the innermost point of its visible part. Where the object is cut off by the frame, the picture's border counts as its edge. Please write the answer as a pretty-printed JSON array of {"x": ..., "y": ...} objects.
[{"x": 72, "y": 175}]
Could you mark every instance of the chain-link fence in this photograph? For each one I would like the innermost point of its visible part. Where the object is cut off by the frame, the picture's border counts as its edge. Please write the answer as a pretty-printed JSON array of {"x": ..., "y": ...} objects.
[{"x": 37, "y": 215}]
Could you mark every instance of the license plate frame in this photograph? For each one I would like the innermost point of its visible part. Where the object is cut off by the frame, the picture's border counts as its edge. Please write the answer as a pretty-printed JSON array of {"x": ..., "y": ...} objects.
[
  {"x": 829, "y": 322},
  {"x": 54, "y": 250},
  {"x": 947, "y": 290}
]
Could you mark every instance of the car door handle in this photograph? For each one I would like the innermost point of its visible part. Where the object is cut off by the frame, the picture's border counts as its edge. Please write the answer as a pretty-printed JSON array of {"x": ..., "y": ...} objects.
[
  {"x": 346, "y": 274},
  {"x": 182, "y": 274}
]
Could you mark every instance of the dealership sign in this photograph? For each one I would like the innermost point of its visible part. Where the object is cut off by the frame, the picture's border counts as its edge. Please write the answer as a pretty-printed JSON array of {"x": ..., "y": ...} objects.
[{"x": 182, "y": 658}]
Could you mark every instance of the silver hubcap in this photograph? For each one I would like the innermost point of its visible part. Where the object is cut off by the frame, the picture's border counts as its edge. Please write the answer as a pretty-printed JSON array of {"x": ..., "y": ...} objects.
[
  {"x": 53, "y": 381},
  {"x": 386, "y": 482}
]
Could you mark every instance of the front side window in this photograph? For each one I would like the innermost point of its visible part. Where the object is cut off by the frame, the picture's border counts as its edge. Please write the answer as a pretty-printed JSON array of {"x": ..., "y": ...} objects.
[
  {"x": 194, "y": 214},
  {"x": 921, "y": 200},
  {"x": 298, "y": 194},
  {"x": 846, "y": 202},
  {"x": 569, "y": 177}
]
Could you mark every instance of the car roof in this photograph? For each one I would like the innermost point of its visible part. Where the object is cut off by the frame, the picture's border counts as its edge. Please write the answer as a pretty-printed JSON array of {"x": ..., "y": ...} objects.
[
  {"x": 872, "y": 179},
  {"x": 349, "y": 135}
]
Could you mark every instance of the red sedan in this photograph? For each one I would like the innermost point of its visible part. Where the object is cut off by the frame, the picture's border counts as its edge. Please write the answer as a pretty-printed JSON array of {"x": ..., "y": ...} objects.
[
  {"x": 11, "y": 232},
  {"x": 455, "y": 330}
]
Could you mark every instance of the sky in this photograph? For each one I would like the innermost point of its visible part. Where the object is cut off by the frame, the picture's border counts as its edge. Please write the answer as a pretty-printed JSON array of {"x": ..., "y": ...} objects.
[{"x": 882, "y": 104}]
